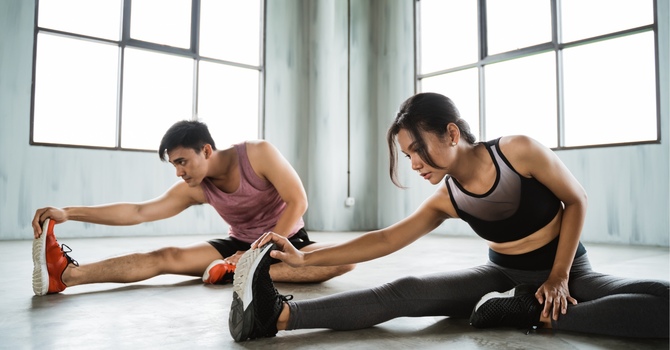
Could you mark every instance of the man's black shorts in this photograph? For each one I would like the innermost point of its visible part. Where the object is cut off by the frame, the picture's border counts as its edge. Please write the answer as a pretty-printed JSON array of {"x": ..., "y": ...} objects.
[{"x": 229, "y": 246}]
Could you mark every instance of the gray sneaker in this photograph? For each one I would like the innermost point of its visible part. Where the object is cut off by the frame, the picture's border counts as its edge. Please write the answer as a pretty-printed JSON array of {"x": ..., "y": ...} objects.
[
  {"x": 517, "y": 307},
  {"x": 256, "y": 302}
]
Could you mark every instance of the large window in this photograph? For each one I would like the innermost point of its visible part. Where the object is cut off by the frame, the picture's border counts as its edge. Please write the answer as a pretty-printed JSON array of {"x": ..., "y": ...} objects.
[
  {"x": 117, "y": 73},
  {"x": 570, "y": 73}
]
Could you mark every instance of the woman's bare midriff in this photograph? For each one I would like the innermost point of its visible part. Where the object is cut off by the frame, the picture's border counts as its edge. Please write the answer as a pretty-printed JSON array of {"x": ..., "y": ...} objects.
[{"x": 529, "y": 243}]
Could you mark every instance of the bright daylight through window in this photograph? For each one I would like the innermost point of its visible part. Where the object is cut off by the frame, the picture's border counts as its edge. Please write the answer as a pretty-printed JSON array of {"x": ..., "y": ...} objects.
[
  {"x": 118, "y": 73},
  {"x": 570, "y": 73}
]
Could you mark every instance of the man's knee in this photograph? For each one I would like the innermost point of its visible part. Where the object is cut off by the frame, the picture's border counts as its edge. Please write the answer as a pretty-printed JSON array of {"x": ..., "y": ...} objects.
[
  {"x": 342, "y": 269},
  {"x": 166, "y": 258},
  {"x": 338, "y": 270}
]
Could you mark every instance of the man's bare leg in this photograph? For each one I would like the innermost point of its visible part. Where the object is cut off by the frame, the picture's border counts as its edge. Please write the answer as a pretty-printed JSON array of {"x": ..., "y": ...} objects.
[
  {"x": 190, "y": 261},
  {"x": 281, "y": 272}
]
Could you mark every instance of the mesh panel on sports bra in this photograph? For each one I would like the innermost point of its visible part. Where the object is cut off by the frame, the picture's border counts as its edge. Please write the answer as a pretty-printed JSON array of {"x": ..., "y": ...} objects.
[{"x": 500, "y": 202}]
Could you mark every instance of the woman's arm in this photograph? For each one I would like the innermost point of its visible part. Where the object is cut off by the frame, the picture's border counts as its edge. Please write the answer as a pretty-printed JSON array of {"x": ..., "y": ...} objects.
[
  {"x": 370, "y": 245},
  {"x": 533, "y": 159}
]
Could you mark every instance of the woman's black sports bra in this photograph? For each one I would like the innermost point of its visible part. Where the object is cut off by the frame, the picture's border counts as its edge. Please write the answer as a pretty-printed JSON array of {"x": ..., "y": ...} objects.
[{"x": 515, "y": 207}]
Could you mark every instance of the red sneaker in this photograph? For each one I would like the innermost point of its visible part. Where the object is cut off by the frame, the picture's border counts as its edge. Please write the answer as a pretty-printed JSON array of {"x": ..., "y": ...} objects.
[
  {"x": 49, "y": 260},
  {"x": 219, "y": 272}
]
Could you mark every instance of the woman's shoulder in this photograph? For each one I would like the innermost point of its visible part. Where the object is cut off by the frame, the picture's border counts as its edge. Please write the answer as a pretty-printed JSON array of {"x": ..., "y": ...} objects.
[
  {"x": 523, "y": 152},
  {"x": 516, "y": 141},
  {"x": 520, "y": 146}
]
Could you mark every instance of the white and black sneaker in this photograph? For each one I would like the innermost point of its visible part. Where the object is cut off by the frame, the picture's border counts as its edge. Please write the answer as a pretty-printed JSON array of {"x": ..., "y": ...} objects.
[
  {"x": 517, "y": 307},
  {"x": 256, "y": 302}
]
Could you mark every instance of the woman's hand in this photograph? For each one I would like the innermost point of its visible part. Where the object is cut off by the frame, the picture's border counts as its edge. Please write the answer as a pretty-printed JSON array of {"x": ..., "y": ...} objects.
[
  {"x": 555, "y": 296},
  {"x": 42, "y": 214},
  {"x": 285, "y": 252}
]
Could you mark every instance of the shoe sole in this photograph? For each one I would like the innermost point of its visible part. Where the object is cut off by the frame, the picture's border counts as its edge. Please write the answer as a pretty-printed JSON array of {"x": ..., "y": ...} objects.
[
  {"x": 40, "y": 270},
  {"x": 241, "y": 319},
  {"x": 494, "y": 295},
  {"x": 205, "y": 276}
]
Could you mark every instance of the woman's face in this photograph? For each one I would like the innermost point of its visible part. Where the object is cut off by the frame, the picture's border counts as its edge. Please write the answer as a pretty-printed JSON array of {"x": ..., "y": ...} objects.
[{"x": 438, "y": 150}]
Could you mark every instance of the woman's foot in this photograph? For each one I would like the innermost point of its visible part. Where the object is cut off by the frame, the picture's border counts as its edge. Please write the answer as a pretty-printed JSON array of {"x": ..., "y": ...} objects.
[
  {"x": 256, "y": 302},
  {"x": 517, "y": 307}
]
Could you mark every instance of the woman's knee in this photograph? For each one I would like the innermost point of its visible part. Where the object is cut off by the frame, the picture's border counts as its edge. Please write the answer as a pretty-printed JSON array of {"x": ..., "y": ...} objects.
[
  {"x": 661, "y": 289},
  {"x": 407, "y": 285}
]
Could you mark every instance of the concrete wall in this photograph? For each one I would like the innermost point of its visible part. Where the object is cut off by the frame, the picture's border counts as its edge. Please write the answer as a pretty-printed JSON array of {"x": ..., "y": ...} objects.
[
  {"x": 324, "y": 126},
  {"x": 324, "y": 129},
  {"x": 36, "y": 176}
]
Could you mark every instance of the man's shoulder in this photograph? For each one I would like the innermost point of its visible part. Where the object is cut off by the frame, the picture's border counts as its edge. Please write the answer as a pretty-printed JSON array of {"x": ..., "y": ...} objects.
[
  {"x": 260, "y": 149},
  {"x": 182, "y": 191},
  {"x": 257, "y": 143}
]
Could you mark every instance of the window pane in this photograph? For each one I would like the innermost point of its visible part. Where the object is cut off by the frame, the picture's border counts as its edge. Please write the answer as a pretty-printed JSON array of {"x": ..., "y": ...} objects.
[
  {"x": 100, "y": 18},
  {"x": 448, "y": 34},
  {"x": 165, "y": 22},
  {"x": 587, "y": 18},
  {"x": 157, "y": 92},
  {"x": 230, "y": 30},
  {"x": 75, "y": 93},
  {"x": 462, "y": 88},
  {"x": 515, "y": 24},
  {"x": 610, "y": 91},
  {"x": 521, "y": 98},
  {"x": 228, "y": 102}
]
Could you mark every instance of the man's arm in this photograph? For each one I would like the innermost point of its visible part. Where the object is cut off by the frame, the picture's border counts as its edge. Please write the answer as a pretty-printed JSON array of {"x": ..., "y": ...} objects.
[
  {"x": 172, "y": 202},
  {"x": 270, "y": 164}
]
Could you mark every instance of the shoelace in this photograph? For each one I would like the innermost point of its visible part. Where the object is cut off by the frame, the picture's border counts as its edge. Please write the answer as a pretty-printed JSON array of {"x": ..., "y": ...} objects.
[
  {"x": 531, "y": 329},
  {"x": 69, "y": 250},
  {"x": 286, "y": 298}
]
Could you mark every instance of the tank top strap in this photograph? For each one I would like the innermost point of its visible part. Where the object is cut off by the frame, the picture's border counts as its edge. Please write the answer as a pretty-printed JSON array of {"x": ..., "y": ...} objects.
[{"x": 247, "y": 173}]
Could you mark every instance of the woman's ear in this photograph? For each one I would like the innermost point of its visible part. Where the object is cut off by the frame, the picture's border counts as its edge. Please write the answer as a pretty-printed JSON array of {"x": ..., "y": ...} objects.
[{"x": 453, "y": 134}]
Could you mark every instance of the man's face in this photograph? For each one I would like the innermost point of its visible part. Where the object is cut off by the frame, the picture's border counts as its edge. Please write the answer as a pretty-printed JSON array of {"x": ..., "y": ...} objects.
[{"x": 189, "y": 165}]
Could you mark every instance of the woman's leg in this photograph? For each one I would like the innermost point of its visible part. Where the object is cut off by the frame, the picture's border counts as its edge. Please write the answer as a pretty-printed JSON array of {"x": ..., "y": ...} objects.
[
  {"x": 451, "y": 294},
  {"x": 616, "y": 306}
]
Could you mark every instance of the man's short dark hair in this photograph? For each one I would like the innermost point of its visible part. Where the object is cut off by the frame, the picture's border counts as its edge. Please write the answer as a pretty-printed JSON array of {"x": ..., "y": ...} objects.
[{"x": 188, "y": 134}]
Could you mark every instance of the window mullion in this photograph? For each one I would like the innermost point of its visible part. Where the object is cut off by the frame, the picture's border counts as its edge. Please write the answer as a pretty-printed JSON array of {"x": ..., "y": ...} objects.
[
  {"x": 483, "y": 53},
  {"x": 556, "y": 25},
  {"x": 483, "y": 30},
  {"x": 125, "y": 36},
  {"x": 195, "y": 48}
]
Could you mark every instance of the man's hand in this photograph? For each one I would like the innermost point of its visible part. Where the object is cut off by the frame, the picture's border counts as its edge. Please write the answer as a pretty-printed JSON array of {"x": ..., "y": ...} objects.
[
  {"x": 285, "y": 252},
  {"x": 42, "y": 214},
  {"x": 555, "y": 295},
  {"x": 233, "y": 259}
]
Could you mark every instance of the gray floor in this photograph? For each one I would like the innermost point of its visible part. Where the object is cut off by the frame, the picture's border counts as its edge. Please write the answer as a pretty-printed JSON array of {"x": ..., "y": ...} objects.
[{"x": 174, "y": 312}]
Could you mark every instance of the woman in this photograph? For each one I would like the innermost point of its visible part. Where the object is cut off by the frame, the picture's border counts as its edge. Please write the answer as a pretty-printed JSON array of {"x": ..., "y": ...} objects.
[{"x": 514, "y": 193}]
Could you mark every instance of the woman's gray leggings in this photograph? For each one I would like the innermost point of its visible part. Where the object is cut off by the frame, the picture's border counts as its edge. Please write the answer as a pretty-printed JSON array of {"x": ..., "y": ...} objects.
[{"x": 606, "y": 304}]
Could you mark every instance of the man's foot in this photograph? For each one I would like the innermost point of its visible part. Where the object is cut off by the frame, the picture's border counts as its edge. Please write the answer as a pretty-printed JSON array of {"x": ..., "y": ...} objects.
[
  {"x": 517, "y": 307},
  {"x": 256, "y": 303},
  {"x": 219, "y": 272},
  {"x": 49, "y": 261}
]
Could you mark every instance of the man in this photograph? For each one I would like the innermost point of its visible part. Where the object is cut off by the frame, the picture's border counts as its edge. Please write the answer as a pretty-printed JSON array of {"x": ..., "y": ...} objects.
[{"x": 251, "y": 185}]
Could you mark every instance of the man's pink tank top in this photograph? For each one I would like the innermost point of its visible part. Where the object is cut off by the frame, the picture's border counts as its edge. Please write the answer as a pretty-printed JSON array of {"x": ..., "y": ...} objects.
[{"x": 254, "y": 208}]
